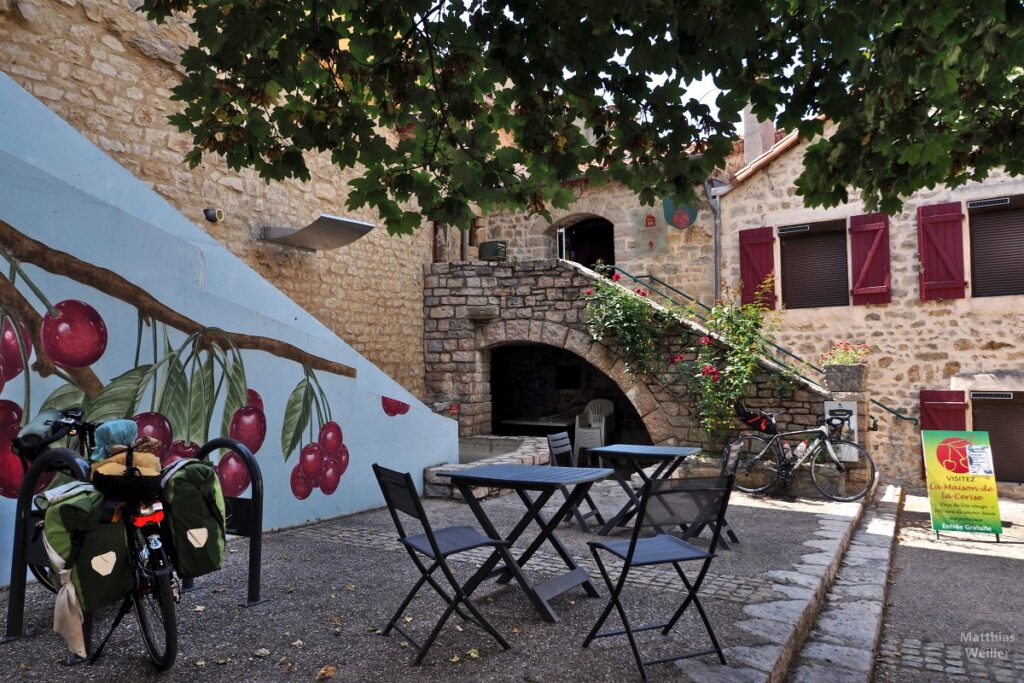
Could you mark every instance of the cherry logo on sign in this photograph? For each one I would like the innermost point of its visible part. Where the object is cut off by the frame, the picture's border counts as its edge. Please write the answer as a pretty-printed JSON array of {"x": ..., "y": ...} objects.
[
  {"x": 393, "y": 407},
  {"x": 952, "y": 454}
]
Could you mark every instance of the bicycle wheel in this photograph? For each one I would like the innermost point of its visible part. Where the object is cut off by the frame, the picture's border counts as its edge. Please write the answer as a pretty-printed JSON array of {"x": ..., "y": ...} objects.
[
  {"x": 758, "y": 467},
  {"x": 45, "y": 576},
  {"x": 154, "y": 607},
  {"x": 845, "y": 480}
]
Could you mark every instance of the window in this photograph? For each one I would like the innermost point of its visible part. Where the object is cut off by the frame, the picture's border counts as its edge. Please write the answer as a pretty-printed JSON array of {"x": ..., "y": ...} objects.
[
  {"x": 814, "y": 265},
  {"x": 997, "y": 246},
  {"x": 1001, "y": 414}
]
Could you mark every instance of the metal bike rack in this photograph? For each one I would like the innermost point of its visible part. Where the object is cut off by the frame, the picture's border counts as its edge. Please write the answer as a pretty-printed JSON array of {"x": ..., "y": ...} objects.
[
  {"x": 244, "y": 515},
  {"x": 24, "y": 548}
]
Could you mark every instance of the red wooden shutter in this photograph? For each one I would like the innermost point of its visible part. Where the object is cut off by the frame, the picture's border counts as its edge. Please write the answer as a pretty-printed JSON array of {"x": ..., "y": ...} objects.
[
  {"x": 943, "y": 410},
  {"x": 757, "y": 261},
  {"x": 869, "y": 259},
  {"x": 941, "y": 251}
]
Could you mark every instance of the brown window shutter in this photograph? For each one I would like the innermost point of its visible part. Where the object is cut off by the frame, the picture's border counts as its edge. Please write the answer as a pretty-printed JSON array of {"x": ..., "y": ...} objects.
[
  {"x": 997, "y": 252},
  {"x": 869, "y": 259},
  {"x": 757, "y": 262},
  {"x": 814, "y": 266},
  {"x": 941, "y": 251},
  {"x": 946, "y": 410},
  {"x": 1003, "y": 419}
]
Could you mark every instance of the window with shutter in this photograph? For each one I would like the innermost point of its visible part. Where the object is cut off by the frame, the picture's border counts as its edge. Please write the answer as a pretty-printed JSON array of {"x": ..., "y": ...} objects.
[
  {"x": 1003, "y": 419},
  {"x": 814, "y": 271},
  {"x": 757, "y": 262},
  {"x": 942, "y": 410},
  {"x": 997, "y": 246},
  {"x": 869, "y": 259},
  {"x": 941, "y": 251}
]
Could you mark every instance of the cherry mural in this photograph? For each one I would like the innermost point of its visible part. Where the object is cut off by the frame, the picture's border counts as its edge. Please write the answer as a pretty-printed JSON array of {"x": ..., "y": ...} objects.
[
  {"x": 10, "y": 352},
  {"x": 73, "y": 334},
  {"x": 156, "y": 426},
  {"x": 233, "y": 474},
  {"x": 249, "y": 426},
  {"x": 393, "y": 407}
]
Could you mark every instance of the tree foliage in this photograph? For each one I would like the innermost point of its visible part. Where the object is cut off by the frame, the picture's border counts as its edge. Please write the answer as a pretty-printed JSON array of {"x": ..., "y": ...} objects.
[{"x": 446, "y": 105}]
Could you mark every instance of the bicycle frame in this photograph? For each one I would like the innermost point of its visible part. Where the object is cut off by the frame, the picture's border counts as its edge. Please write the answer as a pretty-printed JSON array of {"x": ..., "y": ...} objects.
[{"x": 822, "y": 440}]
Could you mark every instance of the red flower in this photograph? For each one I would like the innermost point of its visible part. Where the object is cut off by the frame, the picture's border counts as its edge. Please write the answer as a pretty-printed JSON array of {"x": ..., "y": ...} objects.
[
  {"x": 589, "y": 292},
  {"x": 676, "y": 358},
  {"x": 705, "y": 340},
  {"x": 715, "y": 377},
  {"x": 709, "y": 370},
  {"x": 640, "y": 291},
  {"x": 616, "y": 277}
]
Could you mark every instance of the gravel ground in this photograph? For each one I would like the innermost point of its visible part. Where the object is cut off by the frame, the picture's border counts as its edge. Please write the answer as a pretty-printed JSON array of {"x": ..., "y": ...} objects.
[
  {"x": 942, "y": 589},
  {"x": 333, "y": 595}
]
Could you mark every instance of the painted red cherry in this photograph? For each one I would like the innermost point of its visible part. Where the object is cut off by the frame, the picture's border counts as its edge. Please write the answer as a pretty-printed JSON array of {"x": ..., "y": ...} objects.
[
  {"x": 300, "y": 487},
  {"x": 392, "y": 406},
  {"x": 343, "y": 458},
  {"x": 330, "y": 438},
  {"x": 10, "y": 354},
  {"x": 311, "y": 459},
  {"x": 330, "y": 475},
  {"x": 12, "y": 468},
  {"x": 74, "y": 337},
  {"x": 249, "y": 426},
  {"x": 156, "y": 426},
  {"x": 10, "y": 415},
  {"x": 180, "y": 450},
  {"x": 233, "y": 475},
  {"x": 252, "y": 398}
]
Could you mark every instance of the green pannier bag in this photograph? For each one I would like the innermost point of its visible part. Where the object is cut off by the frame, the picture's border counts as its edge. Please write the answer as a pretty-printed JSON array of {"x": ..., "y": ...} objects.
[
  {"x": 195, "y": 517},
  {"x": 76, "y": 536}
]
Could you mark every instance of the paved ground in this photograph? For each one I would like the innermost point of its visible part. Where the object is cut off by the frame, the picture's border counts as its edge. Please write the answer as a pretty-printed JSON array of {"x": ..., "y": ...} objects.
[
  {"x": 333, "y": 585},
  {"x": 955, "y": 607}
]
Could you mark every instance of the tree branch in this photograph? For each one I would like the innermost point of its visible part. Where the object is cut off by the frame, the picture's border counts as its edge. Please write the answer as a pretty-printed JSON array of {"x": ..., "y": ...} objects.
[{"x": 31, "y": 251}]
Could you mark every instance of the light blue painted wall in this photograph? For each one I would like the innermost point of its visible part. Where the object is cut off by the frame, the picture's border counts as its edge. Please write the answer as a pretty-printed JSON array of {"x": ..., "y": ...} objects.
[{"x": 58, "y": 188}]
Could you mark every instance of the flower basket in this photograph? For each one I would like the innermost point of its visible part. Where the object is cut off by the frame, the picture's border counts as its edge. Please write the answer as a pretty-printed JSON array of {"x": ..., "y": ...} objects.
[{"x": 846, "y": 378}]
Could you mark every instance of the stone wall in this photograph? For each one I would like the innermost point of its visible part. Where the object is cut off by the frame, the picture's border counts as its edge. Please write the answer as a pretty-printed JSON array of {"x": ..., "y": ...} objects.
[
  {"x": 687, "y": 264},
  {"x": 914, "y": 344},
  {"x": 108, "y": 72},
  {"x": 471, "y": 308}
]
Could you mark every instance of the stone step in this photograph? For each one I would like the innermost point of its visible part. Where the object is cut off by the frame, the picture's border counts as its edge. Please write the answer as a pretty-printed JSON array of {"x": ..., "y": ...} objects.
[
  {"x": 844, "y": 641},
  {"x": 783, "y": 624}
]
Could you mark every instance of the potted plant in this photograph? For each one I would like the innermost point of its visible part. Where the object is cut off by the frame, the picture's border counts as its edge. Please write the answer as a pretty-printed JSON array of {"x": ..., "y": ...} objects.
[{"x": 844, "y": 366}]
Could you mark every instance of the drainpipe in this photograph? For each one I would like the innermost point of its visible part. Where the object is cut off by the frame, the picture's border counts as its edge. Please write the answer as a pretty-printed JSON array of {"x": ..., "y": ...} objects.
[
  {"x": 464, "y": 244},
  {"x": 716, "y": 208}
]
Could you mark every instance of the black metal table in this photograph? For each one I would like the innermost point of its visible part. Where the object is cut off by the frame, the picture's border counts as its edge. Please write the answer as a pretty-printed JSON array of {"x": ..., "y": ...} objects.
[
  {"x": 546, "y": 480},
  {"x": 629, "y": 459}
]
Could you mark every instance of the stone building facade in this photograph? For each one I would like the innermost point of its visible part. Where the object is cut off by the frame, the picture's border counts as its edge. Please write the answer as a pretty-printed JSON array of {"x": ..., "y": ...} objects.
[
  {"x": 107, "y": 71},
  {"x": 472, "y": 309}
]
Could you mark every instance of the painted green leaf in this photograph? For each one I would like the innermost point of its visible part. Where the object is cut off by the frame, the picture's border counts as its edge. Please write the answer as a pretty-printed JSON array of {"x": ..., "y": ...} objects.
[
  {"x": 235, "y": 396},
  {"x": 144, "y": 383},
  {"x": 116, "y": 400},
  {"x": 173, "y": 401},
  {"x": 296, "y": 417},
  {"x": 201, "y": 400},
  {"x": 63, "y": 397}
]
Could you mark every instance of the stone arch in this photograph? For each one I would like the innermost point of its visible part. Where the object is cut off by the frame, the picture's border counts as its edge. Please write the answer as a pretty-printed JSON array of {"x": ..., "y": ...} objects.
[
  {"x": 525, "y": 331},
  {"x": 593, "y": 205}
]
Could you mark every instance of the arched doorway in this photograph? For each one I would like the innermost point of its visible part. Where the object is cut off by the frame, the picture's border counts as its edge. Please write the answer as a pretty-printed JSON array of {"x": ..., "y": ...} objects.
[
  {"x": 533, "y": 381},
  {"x": 587, "y": 242}
]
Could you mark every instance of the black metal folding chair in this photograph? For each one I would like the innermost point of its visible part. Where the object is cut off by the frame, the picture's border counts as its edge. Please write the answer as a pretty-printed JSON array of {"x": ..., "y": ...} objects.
[
  {"x": 435, "y": 544},
  {"x": 666, "y": 503},
  {"x": 730, "y": 461},
  {"x": 562, "y": 456}
]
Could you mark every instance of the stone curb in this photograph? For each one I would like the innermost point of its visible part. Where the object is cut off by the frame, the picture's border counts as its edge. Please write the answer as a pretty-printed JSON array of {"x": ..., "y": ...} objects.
[
  {"x": 854, "y": 606},
  {"x": 532, "y": 451}
]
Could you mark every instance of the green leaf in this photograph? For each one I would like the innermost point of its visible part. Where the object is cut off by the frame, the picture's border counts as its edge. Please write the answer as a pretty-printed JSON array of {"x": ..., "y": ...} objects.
[
  {"x": 63, "y": 397},
  {"x": 173, "y": 397},
  {"x": 116, "y": 400},
  {"x": 234, "y": 375},
  {"x": 201, "y": 400},
  {"x": 296, "y": 417}
]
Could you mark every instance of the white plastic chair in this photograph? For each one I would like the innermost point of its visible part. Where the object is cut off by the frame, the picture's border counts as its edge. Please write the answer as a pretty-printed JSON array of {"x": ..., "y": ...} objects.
[{"x": 594, "y": 425}]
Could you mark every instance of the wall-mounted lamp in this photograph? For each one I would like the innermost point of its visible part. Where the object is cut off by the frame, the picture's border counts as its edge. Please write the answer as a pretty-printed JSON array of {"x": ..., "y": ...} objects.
[{"x": 326, "y": 232}]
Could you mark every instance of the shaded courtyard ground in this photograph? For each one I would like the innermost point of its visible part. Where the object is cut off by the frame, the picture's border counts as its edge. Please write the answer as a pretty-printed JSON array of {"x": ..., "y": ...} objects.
[
  {"x": 331, "y": 586},
  {"x": 944, "y": 591}
]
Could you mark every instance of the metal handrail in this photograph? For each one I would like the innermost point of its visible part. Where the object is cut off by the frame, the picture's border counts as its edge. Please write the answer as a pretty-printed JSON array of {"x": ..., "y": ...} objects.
[{"x": 654, "y": 278}]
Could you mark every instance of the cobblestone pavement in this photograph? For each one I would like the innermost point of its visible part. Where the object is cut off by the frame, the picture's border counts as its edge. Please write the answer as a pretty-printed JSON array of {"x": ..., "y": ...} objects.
[{"x": 955, "y": 607}]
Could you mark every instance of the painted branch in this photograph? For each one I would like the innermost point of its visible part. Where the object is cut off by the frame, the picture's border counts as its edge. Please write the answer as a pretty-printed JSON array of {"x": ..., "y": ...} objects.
[
  {"x": 28, "y": 250},
  {"x": 18, "y": 306}
]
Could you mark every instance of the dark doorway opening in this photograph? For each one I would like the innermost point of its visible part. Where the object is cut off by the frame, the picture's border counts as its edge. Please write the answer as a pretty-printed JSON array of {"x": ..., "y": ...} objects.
[
  {"x": 536, "y": 389},
  {"x": 588, "y": 242}
]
